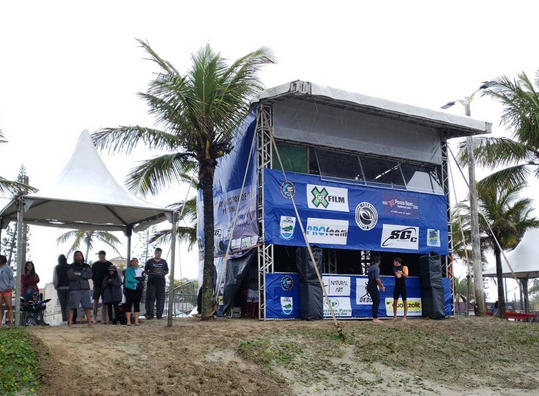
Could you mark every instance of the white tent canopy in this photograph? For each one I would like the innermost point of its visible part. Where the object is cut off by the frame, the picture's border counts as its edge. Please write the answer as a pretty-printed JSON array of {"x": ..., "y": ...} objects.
[
  {"x": 86, "y": 196},
  {"x": 523, "y": 259}
]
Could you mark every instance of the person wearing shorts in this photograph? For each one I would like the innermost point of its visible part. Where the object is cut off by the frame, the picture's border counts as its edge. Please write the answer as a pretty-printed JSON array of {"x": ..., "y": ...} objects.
[
  {"x": 79, "y": 288},
  {"x": 100, "y": 270},
  {"x": 7, "y": 283},
  {"x": 401, "y": 273}
]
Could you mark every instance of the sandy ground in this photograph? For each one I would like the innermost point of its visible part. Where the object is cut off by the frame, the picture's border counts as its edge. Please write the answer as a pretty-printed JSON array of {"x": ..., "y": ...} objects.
[{"x": 247, "y": 357}]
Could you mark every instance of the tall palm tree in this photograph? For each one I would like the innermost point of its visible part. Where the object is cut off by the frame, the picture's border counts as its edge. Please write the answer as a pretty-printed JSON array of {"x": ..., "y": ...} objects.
[
  {"x": 198, "y": 113},
  {"x": 519, "y": 155},
  {"x": 88, "y": 237},
  {"x": 509, "y": 218},
  {"x": 8, "y": 187}
]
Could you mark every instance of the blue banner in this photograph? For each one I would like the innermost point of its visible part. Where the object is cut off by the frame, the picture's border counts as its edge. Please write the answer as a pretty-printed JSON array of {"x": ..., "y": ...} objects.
[
  {"x": 347, "y": 216},
  {"x": 227, "y": 183},
  {"x": 348, "y": 296}
]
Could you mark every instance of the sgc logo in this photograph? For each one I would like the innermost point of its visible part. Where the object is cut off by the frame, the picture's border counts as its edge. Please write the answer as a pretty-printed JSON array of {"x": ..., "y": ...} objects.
[{"x": 400, "y": 237}]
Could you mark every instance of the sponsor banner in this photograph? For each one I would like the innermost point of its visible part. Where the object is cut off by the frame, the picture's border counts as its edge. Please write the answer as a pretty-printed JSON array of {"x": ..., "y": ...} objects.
[
  {"x": 400, "y": 205},
  {"x": 341, "y": 306},
  {"x": 288, "y": 225},
  {"x": 228, "y": 180},
  {"x": 327, "y": 198},
  {"x": 400, "y": 237},
  {"x": 327, "y": 231},
  {"x": 366, "y": 216},
  {"x": 362, "y": 295},
  {"x": 349, "y": 216},
  {"x": 433, "y": 238},
  {"x": 414, "y": 307},
  {"x": 287, "y": 305},
  {"x": 357, "y": 305},
  {"x": 337, "y": 285}
]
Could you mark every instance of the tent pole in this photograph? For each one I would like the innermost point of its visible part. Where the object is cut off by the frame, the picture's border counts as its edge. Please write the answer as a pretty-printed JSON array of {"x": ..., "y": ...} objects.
[
  {"x": 20, "y": 220},
  {"x": 526, "y": 296},
  {"x": 172, "y": 258},
  {"x": 129, "y": 232}
]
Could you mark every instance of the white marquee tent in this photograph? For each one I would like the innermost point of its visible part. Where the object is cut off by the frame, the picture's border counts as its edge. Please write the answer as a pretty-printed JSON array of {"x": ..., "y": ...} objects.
[
  {"x": 523, "y": 262},
  {"x": 85, "y": 197}
]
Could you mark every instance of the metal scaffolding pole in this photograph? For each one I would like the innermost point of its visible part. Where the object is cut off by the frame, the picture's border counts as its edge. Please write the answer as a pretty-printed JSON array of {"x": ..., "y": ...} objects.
[{"x": 20, "y": 225}]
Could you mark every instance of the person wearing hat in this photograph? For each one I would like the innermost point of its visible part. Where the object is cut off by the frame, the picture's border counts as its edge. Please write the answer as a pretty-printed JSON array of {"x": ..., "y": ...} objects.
[
  {"x": 112, "y": 292},
  {"x": 100, "y": 270}
]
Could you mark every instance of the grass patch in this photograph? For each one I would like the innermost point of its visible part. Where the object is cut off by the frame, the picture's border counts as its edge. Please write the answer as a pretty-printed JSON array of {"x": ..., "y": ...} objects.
[{"x": 19, "y": 364}]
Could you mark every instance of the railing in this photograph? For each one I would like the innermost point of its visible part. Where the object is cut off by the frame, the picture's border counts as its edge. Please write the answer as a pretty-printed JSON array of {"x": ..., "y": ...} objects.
[{"x": 185, "y": 299}]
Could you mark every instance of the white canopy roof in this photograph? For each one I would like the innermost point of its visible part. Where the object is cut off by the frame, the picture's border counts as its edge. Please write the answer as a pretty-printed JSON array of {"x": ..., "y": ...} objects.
[
  {"x": 523, "y": 259},
  {"x": 86, "y": 196},
  {"x": 453, "y": 125}
]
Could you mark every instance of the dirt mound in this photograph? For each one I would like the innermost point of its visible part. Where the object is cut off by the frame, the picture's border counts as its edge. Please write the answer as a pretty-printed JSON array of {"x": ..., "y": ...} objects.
[{"x": 247, "y": 357}]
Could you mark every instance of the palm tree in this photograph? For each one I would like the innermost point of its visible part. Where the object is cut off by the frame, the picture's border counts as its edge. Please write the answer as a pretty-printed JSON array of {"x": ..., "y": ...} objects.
[
  {"x": 509, "y": 218},
  {"x": 198, "y": 113},
  {"x": 88, "y": 237},
  {"x": 519, "y": 156},
  {"x": 460, "y": 287},
  {"x": 12, "y": 187}
]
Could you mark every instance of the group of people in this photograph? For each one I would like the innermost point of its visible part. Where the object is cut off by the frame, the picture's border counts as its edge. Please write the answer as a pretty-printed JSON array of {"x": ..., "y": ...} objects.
[
  {"x": 71, "y": 282},
  {"x": 401, "y": 273},
  {"x": 29, "y": 281},
  {"x": 73, "y": 287}
]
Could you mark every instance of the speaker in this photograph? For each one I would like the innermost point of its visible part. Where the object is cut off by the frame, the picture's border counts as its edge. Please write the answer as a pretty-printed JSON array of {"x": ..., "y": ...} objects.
[
  {"x": 433, "y": 304},
  {"x": 430, "y": 271}
]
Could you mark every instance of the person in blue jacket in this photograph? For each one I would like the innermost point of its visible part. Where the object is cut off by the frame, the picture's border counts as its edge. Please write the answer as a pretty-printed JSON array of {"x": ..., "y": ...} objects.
[
  {"x": 134, "y": 285},
  {"x": 112, "y": 292}
]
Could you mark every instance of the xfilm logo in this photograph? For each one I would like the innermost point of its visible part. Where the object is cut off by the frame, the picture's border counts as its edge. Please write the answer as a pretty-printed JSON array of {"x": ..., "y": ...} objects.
[
  {"x": 327, "y": 198},
  {"x": 366, "y": 216},
  {"x": 320, "y": 197},
  {"x": 402, "y": 237}
]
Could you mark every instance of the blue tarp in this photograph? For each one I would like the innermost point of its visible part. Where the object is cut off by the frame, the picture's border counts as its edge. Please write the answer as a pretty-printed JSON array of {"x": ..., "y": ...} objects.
[
  {"x": 348, "y": 296},
  {"x": 348, "y": 216}
]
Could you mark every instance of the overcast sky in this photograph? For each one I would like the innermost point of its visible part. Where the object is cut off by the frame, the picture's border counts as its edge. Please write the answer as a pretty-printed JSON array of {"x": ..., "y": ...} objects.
[{"x": 69, "y": 66}]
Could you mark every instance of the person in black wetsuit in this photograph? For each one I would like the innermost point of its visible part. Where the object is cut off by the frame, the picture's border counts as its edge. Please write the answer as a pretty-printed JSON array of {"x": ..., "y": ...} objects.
[
  {"x": 401, "y": 273},
  {"x": 372, "y": 287}
]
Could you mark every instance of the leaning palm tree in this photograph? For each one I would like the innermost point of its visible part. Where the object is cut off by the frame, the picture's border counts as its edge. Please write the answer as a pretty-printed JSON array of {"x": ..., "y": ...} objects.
[
  {"x": 518, "y": 156},
  {"x": 503, "y": 217},
  {"x": 198, "y": 113},
  {"x": 88, "y": 237}
]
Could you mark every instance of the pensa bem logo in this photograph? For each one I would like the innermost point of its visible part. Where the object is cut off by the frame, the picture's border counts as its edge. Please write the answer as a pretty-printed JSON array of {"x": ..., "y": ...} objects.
[{"x": 400, "y": 237}]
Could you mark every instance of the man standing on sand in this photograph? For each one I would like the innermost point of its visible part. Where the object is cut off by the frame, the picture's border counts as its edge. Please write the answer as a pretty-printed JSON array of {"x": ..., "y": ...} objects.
[
  {"x": 372, "y": 287},
  {"x": 157, "y": 269},
  {"x": 79, "y": 288},
  {"x": 100, "y": 270},
  {"x": 401, "y": 273}
]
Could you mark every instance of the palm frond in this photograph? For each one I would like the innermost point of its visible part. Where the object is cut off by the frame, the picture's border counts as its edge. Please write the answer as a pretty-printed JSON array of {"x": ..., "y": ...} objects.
[
  {"x": 184, "y": 234},
  {"x": 495, "y": 152},
  {"x": 505, "y": 178},
  {"x": 125, "y": 139},
  {"x": 108, "y": 238},
  {"x": 160, "y": 172}
]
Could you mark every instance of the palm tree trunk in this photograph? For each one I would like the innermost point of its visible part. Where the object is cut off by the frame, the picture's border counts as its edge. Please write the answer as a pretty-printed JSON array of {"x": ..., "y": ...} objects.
[
  {"x": 206, "y": 172},
  {"x": 499, "y": 277}
]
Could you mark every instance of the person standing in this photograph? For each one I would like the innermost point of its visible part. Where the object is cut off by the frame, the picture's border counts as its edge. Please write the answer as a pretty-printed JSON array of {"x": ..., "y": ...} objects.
[
  {"x": 157, "y": 269},
  {"x": 61, "y": 284},
  {"x": 401, "y": 273},
  {"x": 78, "y": 274},
  {"x": 29, "y": 279},
  {"x": 112, "y": 292},
  {"x": 373, "y": 285},
  {"x": 7, "y": 283},
  {"x": 100, "y": 270},
  {"x": 134, "y": 285}
]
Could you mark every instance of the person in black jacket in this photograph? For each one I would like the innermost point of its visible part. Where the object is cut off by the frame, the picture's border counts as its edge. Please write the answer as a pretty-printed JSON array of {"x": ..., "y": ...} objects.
[
  {"x": 100, "y": 271},
  {"x": 61, "y": 284},
  {"x": 79, "y": 288},
  {"x": 112, "y": 292}
]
